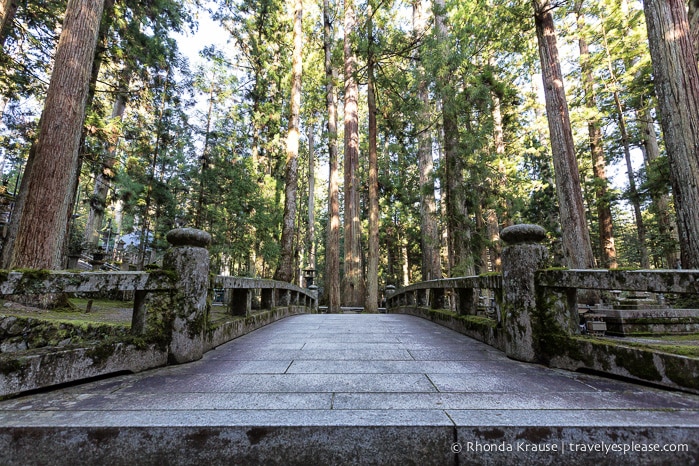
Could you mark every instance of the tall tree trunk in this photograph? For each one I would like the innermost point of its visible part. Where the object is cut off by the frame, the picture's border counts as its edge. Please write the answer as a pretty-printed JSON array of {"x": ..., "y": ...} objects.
[
  {"x": 353, "y": 289},
  {"x": 332, "y": 248},
  {"x": 143, "y": 240},
  {"x": 458, "y": 227},
  {"x": 491, "y": 216},
  {"x": 594, "y": 130},
  {"x": 677, "y": 87},
  {"x": 633, "y": 191},
  {"x": 311, "y": 233},
  {"x": 16, "y": 215},
  {"x": 372, "y": 273},
  {"x": 693, "y": 15},
  {"x": 8, "y": 10},
  {"x": 429, "y": 231},
  {"x": 285, "y": 272},
  {"x": 575, "y": 234},
  {"x": 43, "y": 226},
  {"x": 103, "y": 179},
  {"x": 204, "y": 160},
  {"x": 661, "y": 201}
]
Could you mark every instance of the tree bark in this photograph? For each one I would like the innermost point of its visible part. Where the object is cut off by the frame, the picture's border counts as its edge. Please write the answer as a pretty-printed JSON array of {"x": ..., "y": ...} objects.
[
  {"x": 285, "y": 271},
  {"x": 429, "y": 231},
  {"x": 693, "y": 15},
  {"x": 633, "y": 191},
  {"x": 311, "y": 232},
  {"x": 8, "y": 10},
  {"x": 103, "y": 179},
  {"x": 458, "y": 227},
  {"x": 575, "y": 235},
  {"x": 353, "y": 289},
  {"x": 332, "y": 248},
  {"x": 372, "y": 273},
  {"x": 491, "y": 216},
  {"x": 677, "y": 87},
  {"x": 43, "y": 226},
  {"x": 661, "y": 201},
  {"x": 594, "y": 130}
]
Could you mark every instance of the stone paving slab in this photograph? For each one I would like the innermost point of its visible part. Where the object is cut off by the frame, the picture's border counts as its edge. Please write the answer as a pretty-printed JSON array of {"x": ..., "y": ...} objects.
[{"x": 347, "y": 389}]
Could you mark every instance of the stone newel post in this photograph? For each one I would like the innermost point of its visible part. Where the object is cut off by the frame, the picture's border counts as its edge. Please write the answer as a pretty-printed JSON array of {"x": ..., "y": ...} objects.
[
  {"x": 521, "y": 258},
  {"x": 189, "y": 259}
]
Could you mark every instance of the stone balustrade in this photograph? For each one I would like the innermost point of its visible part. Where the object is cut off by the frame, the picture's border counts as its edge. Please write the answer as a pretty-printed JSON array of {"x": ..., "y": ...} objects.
[
  {"x": 170, "y": 320},
  {"x": 536, "y": 311}
]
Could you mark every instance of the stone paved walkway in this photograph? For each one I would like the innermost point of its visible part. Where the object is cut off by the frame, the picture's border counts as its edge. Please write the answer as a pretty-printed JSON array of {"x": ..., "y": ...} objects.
[{"x": 349, "y": 389}]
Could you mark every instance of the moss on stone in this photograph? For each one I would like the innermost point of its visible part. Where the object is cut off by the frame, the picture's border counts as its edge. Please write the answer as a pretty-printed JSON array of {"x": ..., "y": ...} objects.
[
  {"x": 159, "y": 320},
  {"x": 10, "y": 365},
  {"x": 677, "y": 371},
  {"x": 197, "y": 326},
  {"x": 637, "y": 362},
  {"x": 159, "y": 274},
  {"x": 101, "y": 352}
]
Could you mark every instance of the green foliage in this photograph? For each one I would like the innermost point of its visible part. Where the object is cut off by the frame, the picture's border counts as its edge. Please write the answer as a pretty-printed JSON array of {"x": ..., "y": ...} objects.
[{"x": 203, "y": 146}]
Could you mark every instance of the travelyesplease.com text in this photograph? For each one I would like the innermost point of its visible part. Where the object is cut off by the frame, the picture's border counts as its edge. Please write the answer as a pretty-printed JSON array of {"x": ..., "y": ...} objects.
[{"x": 561, "y": 447}]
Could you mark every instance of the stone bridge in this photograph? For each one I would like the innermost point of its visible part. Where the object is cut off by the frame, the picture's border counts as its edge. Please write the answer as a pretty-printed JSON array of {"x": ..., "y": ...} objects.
[{"x": 357, "y": 388}]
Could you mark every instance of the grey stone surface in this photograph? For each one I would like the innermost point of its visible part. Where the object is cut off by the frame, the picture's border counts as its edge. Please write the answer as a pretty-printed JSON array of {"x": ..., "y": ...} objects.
[
  {"x": 523, "y": 233},
  {"x": 274, "y": 397}
]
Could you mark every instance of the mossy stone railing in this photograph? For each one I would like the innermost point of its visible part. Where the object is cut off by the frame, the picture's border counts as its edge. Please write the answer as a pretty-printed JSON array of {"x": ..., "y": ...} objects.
[
  {"x": 536, "y": 312},
  {"x": 170, "y": 311}
]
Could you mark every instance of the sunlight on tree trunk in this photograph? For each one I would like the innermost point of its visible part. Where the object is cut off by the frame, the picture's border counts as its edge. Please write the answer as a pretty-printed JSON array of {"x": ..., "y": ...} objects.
[
  {"x": 332, "y": 249},
  {"x": 43, "y": 226},
  {"x": 575, "y": 235}
]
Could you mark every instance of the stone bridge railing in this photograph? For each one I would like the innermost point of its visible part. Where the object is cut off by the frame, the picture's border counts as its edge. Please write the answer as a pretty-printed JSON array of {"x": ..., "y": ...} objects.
[
  {"x": 170, "y": 321},
  {"x": 531, "y": 313}
]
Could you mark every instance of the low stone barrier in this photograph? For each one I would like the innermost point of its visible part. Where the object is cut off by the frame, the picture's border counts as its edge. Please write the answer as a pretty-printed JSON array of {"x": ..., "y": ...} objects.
[
  {"x": 536, "y": 317},
  {"x": 170, "y": 321}
]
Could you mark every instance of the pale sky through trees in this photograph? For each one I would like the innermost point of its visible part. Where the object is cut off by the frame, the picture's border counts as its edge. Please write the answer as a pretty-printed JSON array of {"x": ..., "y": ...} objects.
[{"x": 210, "y": 32}]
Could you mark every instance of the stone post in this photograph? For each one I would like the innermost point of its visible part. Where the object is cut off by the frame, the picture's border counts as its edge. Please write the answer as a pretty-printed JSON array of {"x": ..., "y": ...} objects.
[
  {"x": 521, "y": 258},
  {"x": 189, "y": 259},
  {"x": 314, "y": 300},
  {"x": 389, "y": 292}
]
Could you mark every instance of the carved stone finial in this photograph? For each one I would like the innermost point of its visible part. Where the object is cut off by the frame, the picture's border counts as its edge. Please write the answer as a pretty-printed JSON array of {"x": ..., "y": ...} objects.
[
  {"x": 188, "y": 237},
  {"x": 523, "y": 233}
]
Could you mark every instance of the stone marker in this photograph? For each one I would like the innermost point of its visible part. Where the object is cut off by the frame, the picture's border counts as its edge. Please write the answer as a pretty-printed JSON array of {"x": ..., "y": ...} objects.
[
  {"x": 521, "y": 258},
  {"x": 189, "y": 259}
]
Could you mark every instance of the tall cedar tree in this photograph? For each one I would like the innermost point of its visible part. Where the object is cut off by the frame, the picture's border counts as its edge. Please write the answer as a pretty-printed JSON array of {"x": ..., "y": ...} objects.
[
  {"x": 575, "y": 235},
  {"x": 458, "y": 227},
  {"x": 677, "y": 87},
  {"x": 43, "y": 225},
  {"x": 429, "y": 230},
  {"x": 372, "y": 274},
  {"x": 594, "y": 129},
  {"x": 285, "y": 271},
  {"x": 332, "y": 249},
  {"x": 353, "y": 287}
]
